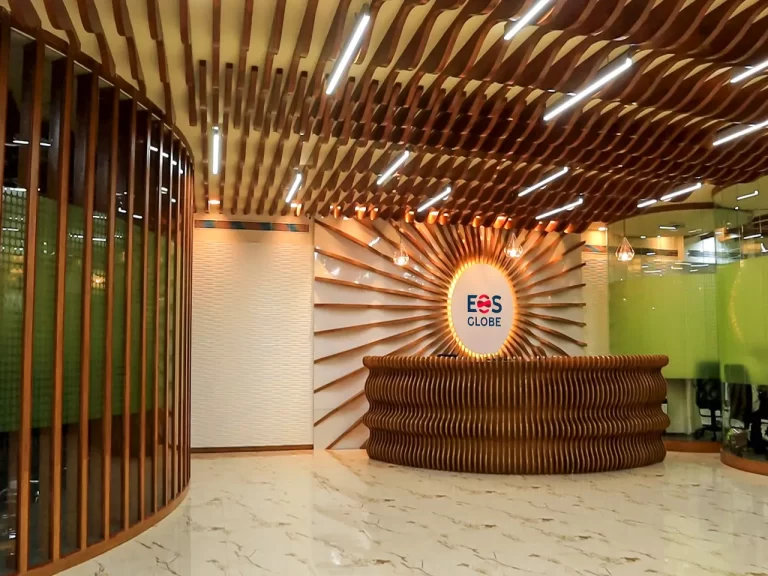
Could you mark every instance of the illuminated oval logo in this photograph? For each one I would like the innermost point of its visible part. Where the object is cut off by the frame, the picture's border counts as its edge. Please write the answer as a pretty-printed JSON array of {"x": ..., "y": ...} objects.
[{"x": 481, "y": 309}]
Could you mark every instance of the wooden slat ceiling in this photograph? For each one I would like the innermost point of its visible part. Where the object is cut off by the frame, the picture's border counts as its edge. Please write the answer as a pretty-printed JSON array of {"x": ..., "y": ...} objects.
[{"x": 438, "y": 77}]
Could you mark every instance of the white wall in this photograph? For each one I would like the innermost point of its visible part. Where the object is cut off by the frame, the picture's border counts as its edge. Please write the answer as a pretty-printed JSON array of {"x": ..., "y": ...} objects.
[
  {"x": 251, "y": 338},
  {"x": 595, "y": 276}
]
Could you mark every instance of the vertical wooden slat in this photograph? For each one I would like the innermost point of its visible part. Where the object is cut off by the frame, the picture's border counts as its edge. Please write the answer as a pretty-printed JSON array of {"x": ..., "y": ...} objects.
[
  {"x": 5, "y": 50},
  {"x": 85, "y": 350},
  {"x": 31, "y": 120},
  {"x": 167, "y": 413},
  {"x": 109, "y": 324},
  {"x": 180, "y": 283},
  {"x": 144, "y": 303},
  {"x": 177, "y": 321},
  {"x": 61, "y": 124},
  {"x": 126, "y": 500},
  {"x": 176, "y": 178},
  {"x": 156, "y": 352},
  {"x": 190, "y": 229}
]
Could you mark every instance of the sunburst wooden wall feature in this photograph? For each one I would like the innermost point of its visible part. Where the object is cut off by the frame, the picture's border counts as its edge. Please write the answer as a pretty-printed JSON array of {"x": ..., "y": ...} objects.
[{"x": 366, "y": 305}]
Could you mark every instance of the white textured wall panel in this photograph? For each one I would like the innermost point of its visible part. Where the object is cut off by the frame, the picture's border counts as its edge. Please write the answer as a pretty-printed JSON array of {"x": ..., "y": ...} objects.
[
  {"x": 251, "y": 339},
  {"x": 596, "y": 298}
]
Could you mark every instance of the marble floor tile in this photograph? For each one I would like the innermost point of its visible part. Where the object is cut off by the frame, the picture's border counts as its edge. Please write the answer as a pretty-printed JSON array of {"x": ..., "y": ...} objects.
[{"x": 338, "y": 513}]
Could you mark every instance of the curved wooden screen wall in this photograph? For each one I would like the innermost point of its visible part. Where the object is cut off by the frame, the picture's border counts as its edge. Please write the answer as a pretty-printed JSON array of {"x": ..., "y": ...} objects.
[
  {"x": 515, "y": 416},
  {"x": 96, "y": 213},
  {"x": 366, "y": 305}
]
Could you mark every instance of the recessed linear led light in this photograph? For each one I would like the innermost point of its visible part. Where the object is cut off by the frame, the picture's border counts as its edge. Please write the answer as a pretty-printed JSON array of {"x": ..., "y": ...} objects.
[
  {"x": 547, "y": 180},
  {"x": 154, "y": 148},
  {"x": 20, "y": 142},
  {"x": 435, "y": 200},
  {"x": 651, "y": 271},
  {"x": 733, "y": 133},
  {"x": 646, "y": 203},
  {"x": 350, "y": 50},
  {"x": 602, "y": 229},
  {"x": 676, "y": 267},
  {"x": 526, "y": 18},
  {"x": 643, "y": 237},
  {"x": 138, "y": 216},
  {"x": 45, "y": 144},
  {"x": 694, "y": 231},
  {"x": 686, "y": 190},
  {"x": 389, "y": 172},
  {"x": 215, "y": 154},
  {"x": 214, "y": 202},
  {"x": 752, "y": 236},
  {"x": 570, "y": 206},
  {"x": 294, "y": 187},
  {"x": 667, "y": 227},
  {"x": 750, "y": 71},
  {"x": 650, "y": 253},
  {"x": 607, "y": 74},
  {"x": 745, "y": 196}
]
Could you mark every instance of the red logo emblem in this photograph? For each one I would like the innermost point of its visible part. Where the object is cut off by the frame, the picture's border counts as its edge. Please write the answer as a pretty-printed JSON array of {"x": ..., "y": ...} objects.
[{"x": 483, "y": 304}]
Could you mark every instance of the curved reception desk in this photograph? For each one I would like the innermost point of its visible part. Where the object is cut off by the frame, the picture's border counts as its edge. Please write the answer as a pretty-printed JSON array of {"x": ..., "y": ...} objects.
[{"x": 556, "y": 415}]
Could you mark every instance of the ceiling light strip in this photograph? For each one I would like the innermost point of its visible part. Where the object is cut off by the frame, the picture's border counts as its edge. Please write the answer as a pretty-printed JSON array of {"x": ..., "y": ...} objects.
[
  {"x": 389, "y": 172},
  {"x": 215, "y": 152},
  {"x": 294, "y": 187},
  {"x": 350, "y": 51},
  {"x": 686, "y": 190},
  {"x": 526, "y": 18},
  {"x": 750, "y": 71},
  {"x": 646, "y": 203},
  {"x": 435, "y": 200},
  {"x": 570, "y": 206},
  {"x": 547, "y": 180},
  {"x": 730, "y": 134},
  {"x": 745, "y": 196},
  {"x": 752, "y": 236},
  {"x": 607, "y": 74}
]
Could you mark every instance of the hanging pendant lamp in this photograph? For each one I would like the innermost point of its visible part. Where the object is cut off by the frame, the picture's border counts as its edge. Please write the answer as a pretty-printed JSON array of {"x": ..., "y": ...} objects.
[
  {"x": 625, "y": 252},
  {"x": 513, "y": 248}
]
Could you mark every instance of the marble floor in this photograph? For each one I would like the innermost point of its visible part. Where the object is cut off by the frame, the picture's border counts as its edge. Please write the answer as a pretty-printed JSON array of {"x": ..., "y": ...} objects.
[{"x": 337, "y": 513}]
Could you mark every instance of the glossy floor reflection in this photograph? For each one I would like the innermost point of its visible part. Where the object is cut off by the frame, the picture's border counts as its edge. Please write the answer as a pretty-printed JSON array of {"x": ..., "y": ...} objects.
[{"x": 339, "y": 513}]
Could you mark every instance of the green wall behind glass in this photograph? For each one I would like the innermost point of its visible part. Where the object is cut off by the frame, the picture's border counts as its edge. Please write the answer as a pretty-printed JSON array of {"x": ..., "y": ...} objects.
[
  {"x": 743, "y": 318},
  {"x": 673, "y": 314},
  {"x": 11, "y": 285}
]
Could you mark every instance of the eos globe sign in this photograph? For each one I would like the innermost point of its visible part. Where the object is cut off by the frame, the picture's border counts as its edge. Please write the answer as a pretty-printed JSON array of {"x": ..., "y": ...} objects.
[{"x": 480, "y": 308}]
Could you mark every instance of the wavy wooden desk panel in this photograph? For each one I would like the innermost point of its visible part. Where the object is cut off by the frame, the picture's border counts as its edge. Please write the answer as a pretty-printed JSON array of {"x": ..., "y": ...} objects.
[{"x": 557, "y": 415}]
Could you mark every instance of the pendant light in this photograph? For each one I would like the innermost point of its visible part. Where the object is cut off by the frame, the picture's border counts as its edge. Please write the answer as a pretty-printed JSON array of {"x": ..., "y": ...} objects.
[
  {"x": 625, "y": 252},
  {"x": 400, "y": 257},
  {"x": 513, "y": 248}
]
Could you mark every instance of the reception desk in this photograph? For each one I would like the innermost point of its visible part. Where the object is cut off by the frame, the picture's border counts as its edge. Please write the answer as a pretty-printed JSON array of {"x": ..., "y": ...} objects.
[{"x": 556, "y": 415}]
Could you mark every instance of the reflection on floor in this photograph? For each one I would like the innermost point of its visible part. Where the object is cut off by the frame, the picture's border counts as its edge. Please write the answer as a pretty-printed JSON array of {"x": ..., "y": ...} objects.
[{"x": 339, "y": 513}]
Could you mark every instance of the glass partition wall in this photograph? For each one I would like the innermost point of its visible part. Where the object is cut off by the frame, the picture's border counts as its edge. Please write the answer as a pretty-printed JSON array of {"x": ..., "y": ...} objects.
[
  {"x": 696, "y": 290},
  {"x": 663, "y": 301},
  {"x": 742, "y": 291},
  {"x": 94, "y": 311}
]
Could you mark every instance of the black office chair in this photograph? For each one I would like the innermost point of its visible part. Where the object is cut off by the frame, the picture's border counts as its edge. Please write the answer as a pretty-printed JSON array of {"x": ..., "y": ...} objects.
[
  {"x": 742, "y": 413},
  {"x": 709, "y": 401}
]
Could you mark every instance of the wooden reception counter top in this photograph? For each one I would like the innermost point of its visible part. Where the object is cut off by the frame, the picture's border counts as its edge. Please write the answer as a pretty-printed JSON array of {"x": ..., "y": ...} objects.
[{"x": 515, "y": 416}]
